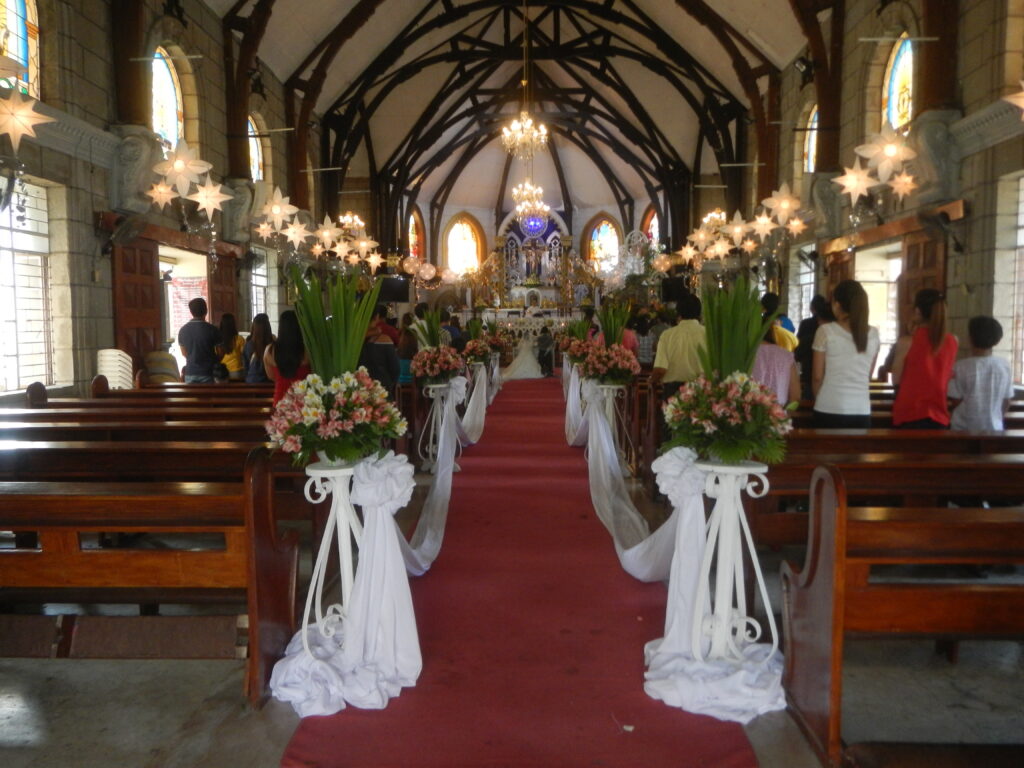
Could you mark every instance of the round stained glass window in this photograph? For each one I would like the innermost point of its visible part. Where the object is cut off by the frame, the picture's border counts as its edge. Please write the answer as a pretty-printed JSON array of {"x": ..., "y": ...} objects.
[{"x": 533, "y": 226}]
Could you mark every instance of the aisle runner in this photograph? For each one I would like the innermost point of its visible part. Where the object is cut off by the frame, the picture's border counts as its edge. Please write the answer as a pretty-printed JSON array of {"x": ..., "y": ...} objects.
[{"x": 531, "y": 632}]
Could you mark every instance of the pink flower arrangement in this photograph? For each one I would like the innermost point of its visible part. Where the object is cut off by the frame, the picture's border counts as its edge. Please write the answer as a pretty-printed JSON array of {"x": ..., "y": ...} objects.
[
  {"x": 437, "y": 364},
  {"x": 609, "y": 365},
  {"x": 729, "y": 420},
  {"x": 577, "y": 349},
  {"x": 346, "y": 418},
  {"x": 477, "y": 351}
]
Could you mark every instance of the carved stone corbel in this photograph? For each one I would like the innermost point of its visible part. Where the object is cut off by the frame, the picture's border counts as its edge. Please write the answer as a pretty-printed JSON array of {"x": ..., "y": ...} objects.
[
  {"x": 132, "y": 174},
  {"x": 828, "y": 202},
  {"x": 937, "y": 165},
  {"x": 237, "y": 212}
]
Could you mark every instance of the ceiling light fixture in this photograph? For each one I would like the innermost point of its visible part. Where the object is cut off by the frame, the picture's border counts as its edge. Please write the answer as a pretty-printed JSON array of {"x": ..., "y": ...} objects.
[{"x": 523, "y": 138}]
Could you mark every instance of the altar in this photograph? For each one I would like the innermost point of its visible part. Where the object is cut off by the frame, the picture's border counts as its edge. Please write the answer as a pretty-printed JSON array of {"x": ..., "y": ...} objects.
[{"x": 527, "y": 296}]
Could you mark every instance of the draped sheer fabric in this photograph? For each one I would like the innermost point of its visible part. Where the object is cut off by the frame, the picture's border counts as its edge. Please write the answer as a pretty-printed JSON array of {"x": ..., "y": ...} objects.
[
  {"x": 476, "y": 410},
  {"x": 575, "y": 428},
  {"x": 728, "y": 690}
]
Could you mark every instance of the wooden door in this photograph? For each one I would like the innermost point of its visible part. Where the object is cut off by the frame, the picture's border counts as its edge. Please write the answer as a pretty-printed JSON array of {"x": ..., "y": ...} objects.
[
  {"x": 137, "y": 299},
  {"x": 223, "y": 285},
  {"x": 924, "y": 266},
  {"x": 839, "y": 267}
]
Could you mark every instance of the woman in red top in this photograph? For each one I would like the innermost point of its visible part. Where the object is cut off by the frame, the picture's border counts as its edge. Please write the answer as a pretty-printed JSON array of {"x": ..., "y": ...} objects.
[
  {"x": 285, "y": 359},
  {"x": 923, "y": 365}
]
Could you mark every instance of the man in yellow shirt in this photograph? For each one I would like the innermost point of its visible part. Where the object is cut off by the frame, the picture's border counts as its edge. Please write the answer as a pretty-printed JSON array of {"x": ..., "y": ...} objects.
[{"x": 677, "y": 361}]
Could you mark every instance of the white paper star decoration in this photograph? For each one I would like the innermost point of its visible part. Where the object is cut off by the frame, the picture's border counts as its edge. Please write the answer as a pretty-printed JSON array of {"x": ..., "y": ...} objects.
[
  {"x": 782, "y": 204},
  {"x": 763, "y": 226},
  {"x": 701, "y": 238},
  {"x": 278, "y": 210},
  {"x": 886, "y": 151},
  {"x": 687, "y": 252},
  {"x": 162, "y": 194},
  {"x": 364, "y": 246},
  {"x": 902, "y": 184},
  {"x": 1017, "y": 99},
  {"x": 182, "y": 167},
  {"x": 296, "y": 233},
  {"x": 796, "y": 226},
  {"x": 855, "y": 182},
  {"x": 353, "y": 258},
  {"x": 328, "y": 233},
  {"x": 209, "y": 197},
  {"x": 749, "y": 246},
  {"x": 317, "y": 250},
  {"x": 720, "y": 248},
  {"x": 265, "y": 230},
  {"x": 18, "y": 117},
  {"x": 374, "y": 260},
  {"x": 736, "y": 229}
]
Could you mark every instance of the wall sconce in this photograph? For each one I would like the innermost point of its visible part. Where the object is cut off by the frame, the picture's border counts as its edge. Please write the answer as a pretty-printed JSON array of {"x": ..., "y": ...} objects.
[{"x": 805, "y": 67}]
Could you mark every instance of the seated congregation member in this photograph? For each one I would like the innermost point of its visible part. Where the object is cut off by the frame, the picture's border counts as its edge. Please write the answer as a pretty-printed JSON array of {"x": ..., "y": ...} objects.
[
  {"x": 260, "y": 336},
  {"x": 982, "y": 385},
  {"x": 821, "y": 313},
  {"x": 923, "y": 365},
  {"x": 379, "y": 356},
  {"x": 844, "y": 356},
  {"x": 451, "y": 325},
  {"x": 198, "y": 341},
  {"x": 285, "y": 359},
  {"x": 676, "y": 360},
  {"x": 231, "y": 346},
  {"x": 380, "y": 316},
  {"x": 641, "y": 326},
  {"x": 776, "y": 369},
  {"x": 784, "y": 337}
]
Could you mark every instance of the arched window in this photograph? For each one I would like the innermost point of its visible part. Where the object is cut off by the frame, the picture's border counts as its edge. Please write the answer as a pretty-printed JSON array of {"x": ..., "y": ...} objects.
[
  {"x": 811, "y": 141},
  {"x": 20, "y": 45},
  {"x": 603, "y": 241},
  {"x": 416, "y": 233},
  {"x": 651, "y": 226},
  {"x": 898, "y": 85},
  {"x": 463, "y": 244},
  {"x": 168, "y": 110},
  {"x": 257, "y": 169}
]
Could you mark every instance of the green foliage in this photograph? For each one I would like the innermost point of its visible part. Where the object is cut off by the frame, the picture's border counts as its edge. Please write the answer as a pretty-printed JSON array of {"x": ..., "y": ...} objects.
[
  {"x": 474, "y": 328},
  {"x": 613, "y": 318},
  {"x": 333, "y": 334},
  {"x": 732, "y": 320},
  {"x": 428, "y": 331},
  {"x": 578, "y": 329}
]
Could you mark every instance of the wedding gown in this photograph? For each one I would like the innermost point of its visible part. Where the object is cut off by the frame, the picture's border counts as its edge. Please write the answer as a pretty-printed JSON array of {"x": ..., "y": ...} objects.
[{"x": 525, "y": 365}]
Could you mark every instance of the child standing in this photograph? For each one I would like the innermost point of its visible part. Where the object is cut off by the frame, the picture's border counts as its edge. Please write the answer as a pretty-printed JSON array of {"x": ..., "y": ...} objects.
[{"x": 981, "y": 385}]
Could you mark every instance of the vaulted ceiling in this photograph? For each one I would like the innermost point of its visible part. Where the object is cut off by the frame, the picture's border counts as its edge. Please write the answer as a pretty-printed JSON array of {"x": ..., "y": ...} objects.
[{"x": 640, "y": 95}]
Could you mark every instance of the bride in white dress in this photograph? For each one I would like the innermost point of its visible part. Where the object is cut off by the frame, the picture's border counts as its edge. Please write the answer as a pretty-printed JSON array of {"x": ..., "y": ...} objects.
[{"x": 525, "y": 365}]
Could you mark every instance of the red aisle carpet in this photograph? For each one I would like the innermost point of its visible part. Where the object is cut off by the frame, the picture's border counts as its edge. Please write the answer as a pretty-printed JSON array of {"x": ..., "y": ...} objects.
[{"x": 532, "y": 634}]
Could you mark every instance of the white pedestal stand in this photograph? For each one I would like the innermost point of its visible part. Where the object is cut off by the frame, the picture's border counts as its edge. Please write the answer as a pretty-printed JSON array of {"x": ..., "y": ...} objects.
[
  {"x": 611, "y": 394},
  {"x": 431, "y": 436},
  {"x": 729, "y": 627},
  {"x": 327, "y": 479}
]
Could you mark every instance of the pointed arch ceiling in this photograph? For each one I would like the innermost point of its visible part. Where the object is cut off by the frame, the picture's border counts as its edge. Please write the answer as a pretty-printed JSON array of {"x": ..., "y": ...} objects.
[{"x": 629, "y": 89}]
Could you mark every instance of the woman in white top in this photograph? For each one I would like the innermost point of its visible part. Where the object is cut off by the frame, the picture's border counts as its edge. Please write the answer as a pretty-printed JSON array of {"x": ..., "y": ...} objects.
[{"x": 844, "y": 357}]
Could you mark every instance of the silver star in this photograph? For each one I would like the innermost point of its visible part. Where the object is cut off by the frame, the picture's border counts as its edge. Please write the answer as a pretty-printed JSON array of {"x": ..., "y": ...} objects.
[{"x": 18, "y": 117}]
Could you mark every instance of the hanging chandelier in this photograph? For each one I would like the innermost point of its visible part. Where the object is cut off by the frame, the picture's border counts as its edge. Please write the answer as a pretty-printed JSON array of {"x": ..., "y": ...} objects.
[
  {"x": 531, "y": 210},
  {"x": 522, "y": 138}
]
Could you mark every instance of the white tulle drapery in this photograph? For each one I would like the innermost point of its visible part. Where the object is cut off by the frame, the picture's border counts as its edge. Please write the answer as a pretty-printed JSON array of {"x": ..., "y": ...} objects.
[
  {"x": 737, "y": 689},
  {"x": 366, "y": 652},
  {"x": 495, "y": 378},
  {"x": 476, "y": 410},
  {"x": 574, "y": 435},
  {"x": 566, "y": 376}
]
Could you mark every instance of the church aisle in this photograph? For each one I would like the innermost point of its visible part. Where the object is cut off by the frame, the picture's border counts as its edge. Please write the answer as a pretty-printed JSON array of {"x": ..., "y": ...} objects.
[{"x": 532, "y": 635}]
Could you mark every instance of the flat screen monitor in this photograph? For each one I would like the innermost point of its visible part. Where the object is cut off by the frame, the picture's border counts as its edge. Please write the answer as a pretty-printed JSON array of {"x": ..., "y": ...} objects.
[{"x": 394, "y": 289}]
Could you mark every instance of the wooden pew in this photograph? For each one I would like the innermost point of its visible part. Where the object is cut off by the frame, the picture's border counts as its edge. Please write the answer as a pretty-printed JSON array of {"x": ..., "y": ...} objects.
[
  {"x": 135, "y": 412},
  {"x": 202, "y": 430},
  {"x": 831, "y": 596},
  {"x": 902, "y": 441},
  {"x": 882, "y": 419},
  {"x": 100, "y": 387},
  {"x": 254, "y": 557}
]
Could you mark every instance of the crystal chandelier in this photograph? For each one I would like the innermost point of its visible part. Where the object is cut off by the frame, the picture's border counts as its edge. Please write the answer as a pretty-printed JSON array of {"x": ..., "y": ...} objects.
[
  {"x": 523, "y": 138},
  {"x": 531, "y": 210}
]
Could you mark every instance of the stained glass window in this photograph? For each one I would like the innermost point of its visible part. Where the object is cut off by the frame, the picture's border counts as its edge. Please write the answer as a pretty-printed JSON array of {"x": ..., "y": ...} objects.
[
  {"x": 19, "y": 45},
  {"x": 463, "y": 247},
  {"x": 604, "y": 243},
  {"x": 415, "y": 241},
  {"x": 168, "y": 114},
  {"x": 811, "y": 141},
  {"x": 898, "y": 85},
  {"x": 255, "y": 151},
  {"x": 653, "y": 229}
]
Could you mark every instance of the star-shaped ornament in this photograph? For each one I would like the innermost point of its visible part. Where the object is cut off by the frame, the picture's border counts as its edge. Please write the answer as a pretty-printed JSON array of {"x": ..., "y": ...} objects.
[
  {"x": 720, "y": 248},
  {"x": 687, "y": 252},
  {"x": 855, "y": 182},
  {"x": 364, "y": 246},
  {"x": 736, "y": 229},
  {"x": 782, "y": 204},
  {"x": 763, "y": 226},
  {"x": 296, "y": 233},
  {"x": 886, "y": 152},
  {"x": 701, "y": 238},
  {"x": 796, "y": 226},
  {"x": 182, "y": 167},
  {"x": 374, "y": 260},
  {"x": 328, "y": 233},
  {"x": 18, "y": 117},
  {"x": 317, "y": 250},
  {"x": 161, "y": 194},
  {"x": 748, "y": 245},
  {"x": 265, "y": 230},
  {"x": 278, "y": 210},
  {"x": 353, "y": 258},
  {"x": 209, "y": 197},
  {"x": 902, "y": 185}
]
